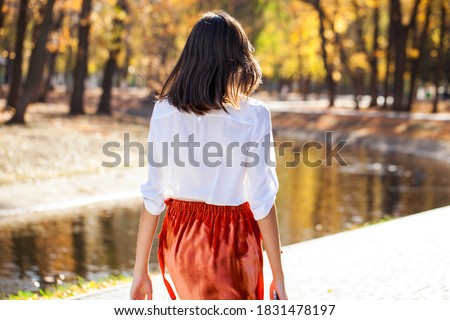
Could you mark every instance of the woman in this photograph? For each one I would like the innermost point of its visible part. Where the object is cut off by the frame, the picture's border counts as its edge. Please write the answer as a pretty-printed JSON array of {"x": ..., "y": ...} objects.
[{"x": 210, "y": 166}]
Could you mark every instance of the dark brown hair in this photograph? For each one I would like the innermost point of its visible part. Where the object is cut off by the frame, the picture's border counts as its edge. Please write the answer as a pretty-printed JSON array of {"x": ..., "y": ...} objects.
[{"x": 215, "y": 67}]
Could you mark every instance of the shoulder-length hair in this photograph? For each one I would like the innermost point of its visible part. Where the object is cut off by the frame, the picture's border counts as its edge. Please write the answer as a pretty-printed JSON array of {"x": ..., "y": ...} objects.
[{"x": 216, "y": 66}]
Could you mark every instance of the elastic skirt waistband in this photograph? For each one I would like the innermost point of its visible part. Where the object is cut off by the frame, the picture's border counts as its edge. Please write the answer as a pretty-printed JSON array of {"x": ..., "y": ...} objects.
[
  {"x": 211, "y": 251},
  {"x": 184, "y": 205}
]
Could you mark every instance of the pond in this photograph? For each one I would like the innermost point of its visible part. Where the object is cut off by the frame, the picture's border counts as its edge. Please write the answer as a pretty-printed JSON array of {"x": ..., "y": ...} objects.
[{"x": 312, "y": 202}]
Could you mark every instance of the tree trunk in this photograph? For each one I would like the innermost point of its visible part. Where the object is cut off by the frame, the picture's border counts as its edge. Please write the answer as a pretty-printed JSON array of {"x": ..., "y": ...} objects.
[
  {"x": 304, "y": 86},
  {"x": 47, "y": 85},
  {"x": 402, "y": 32},
  {"x": 400, "y": 54},
  {"x": 439, "y": 66},
  {"x": 2, "y": 14},
  {"x": 400, "y": 67},
  {"x": 128, "y": 53},
  {"x": 9, "y": 70},
  {"x": 104, "y": 106},
  {"x": 3, "y": 45},
  {"x": 36, "y": 65},
  {"x": 68, "y": 66},
  {"x": 80, "y": 72},
  {"x": 374, "y": 58},
  {"x": 17, "y": 64},
  {"x": 356, "y": 77},
  {"x": 111, "y": 66},
  {"x": 328, "y": 68},
  {"x": 389, "y": 54},
  {"x": 51, "y": 64},
  {"x": 416, "y": 62}
]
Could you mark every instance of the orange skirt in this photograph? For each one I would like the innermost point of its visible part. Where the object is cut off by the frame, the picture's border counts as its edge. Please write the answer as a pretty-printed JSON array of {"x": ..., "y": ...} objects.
[{"x": 211, "y": 252}]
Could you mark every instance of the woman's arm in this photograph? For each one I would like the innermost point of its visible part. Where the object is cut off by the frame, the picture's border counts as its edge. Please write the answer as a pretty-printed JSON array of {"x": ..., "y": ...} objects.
[
  {"x": 142, "y": 284},
  {"x": 271, "y": 240}
]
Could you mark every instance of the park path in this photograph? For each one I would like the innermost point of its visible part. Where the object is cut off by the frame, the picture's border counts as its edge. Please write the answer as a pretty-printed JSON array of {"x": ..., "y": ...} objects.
[{"x": 405, "y": 258}]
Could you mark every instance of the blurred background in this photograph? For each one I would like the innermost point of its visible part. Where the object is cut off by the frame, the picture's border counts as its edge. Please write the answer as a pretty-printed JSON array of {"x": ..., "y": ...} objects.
[{"x": 75, "y": 75}]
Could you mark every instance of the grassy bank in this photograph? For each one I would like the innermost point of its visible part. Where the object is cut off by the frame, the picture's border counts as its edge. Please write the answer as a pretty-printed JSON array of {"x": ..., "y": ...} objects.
[{"x": 81, "y": 286}]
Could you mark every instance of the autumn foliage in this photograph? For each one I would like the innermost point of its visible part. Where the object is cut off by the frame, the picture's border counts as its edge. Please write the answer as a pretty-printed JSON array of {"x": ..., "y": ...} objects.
[{"x": 381, "y": 49}]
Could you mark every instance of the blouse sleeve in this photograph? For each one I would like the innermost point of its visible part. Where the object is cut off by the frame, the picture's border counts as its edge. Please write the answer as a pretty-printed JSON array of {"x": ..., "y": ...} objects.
[
  {"x": 153, "y": 188},
  {"x": 261, "y": 176}
]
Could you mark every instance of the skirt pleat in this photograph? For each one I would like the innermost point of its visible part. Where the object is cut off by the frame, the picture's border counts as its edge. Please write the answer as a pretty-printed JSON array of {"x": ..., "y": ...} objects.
[{"x": 211, "y": 252}]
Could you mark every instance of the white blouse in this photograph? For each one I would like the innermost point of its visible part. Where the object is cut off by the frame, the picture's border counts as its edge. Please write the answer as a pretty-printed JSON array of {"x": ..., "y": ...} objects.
[{"x": 218, "y": 158}]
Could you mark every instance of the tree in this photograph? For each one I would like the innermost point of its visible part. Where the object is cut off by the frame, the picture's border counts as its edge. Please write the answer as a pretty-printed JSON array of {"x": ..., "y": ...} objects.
[
  {"x": 51, "y": 54},
  {"x": 36, "y": 65},
  {"x": 401, "y": 31},
  {"x": 346, "y": 37},
  {"x": 13, "y": 95},
  {"x": 357, "y": 54},
  {"x": 373, "y": 58},
  {"x": 389, "y": 54},
  {"x": 440, "y": 55},
  {"x": 417, "y": 52},
  {"x": 80, "y": 72},
  {"x": 2, "y": 13},
  {"x": 111, "y": 65},
  {"x": 331, "y": 84}
]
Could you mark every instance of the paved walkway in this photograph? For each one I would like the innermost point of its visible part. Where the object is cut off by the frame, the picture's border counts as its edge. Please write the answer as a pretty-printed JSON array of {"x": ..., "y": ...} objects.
[
  {"x": 406, "y": 258},
  {"x": 114, "y": 184}
]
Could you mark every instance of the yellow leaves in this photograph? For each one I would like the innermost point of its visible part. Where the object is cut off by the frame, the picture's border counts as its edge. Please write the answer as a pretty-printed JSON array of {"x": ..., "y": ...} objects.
[
  {"x": 289, "y": 43},
  {"x": 435, "y": 36},
  {"x": 329, "y": 47},
  {"x": 53, "y": 43},
  {"x": 348, "y": 43},
  {"x": 340, "y": 24},
  {"x": 383, "y": 42},
  {"x": 121, "y": 15},
  {"x": 358, "y": 60},
  {"x": 329, "y": 34},
  {"x": 378, "y": 54},
  {"x": 290, "y": 68},
  {"x": 74, "y": 5},
  {"x": 372, "y": 3},
  {"x": 413, "y": 53},
  {"x": 421, "y": 16},
  {"x": 295, "y": 37},
  {"x": 337, "y": 76}
]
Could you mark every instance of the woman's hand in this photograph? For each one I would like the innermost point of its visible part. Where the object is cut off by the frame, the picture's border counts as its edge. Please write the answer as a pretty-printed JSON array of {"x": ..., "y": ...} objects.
[
  {"x": 271, "y": 240},
  {"x": 141, "y": 288},
  {"x": 142, "y": 285},
  {"x": 279, "y": 288}
]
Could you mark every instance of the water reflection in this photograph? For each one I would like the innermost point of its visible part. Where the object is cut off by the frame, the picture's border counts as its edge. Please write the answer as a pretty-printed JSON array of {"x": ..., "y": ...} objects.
[
  {"x": 316, "y": 201},
  {"x": 90, "y": 244},
  {"x": 312, "y": 202}
]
